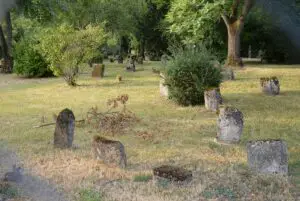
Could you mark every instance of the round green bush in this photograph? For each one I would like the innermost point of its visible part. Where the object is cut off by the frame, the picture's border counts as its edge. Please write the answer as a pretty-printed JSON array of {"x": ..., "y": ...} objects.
[
  {"x": 28, "y": 62},
  {"x": 189, "y": 73}
]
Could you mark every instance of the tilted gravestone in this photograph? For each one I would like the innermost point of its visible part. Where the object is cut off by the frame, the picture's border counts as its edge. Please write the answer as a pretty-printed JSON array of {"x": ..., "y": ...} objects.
[
  {"x": 230, "y": 125},
  {"x": 270, "y": 86},
  {"x": 64, "y": 131},
  {"x": 98, "y": 70},
  {"x": 172, "y": 173},
  {"x": 109, "y": 151},
  {"x": 213, "y": 99},
  {"x": 268, "y": 156}
]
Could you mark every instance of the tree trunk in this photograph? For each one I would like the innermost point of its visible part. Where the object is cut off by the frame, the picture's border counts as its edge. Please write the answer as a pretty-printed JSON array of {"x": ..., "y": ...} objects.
[
  {"x": 7, "y": 65},
  {"x": 234, "y": 34},
  {"x": 9, "y": 32}
]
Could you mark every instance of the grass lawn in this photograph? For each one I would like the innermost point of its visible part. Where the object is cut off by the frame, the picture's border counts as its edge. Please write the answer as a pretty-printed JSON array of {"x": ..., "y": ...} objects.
[{"x": 178, "y": 135}]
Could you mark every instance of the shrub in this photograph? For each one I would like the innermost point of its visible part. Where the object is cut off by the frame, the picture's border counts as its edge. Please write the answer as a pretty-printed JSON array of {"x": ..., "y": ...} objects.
[
  {"x": 66, "y": 48},
  {"x": 189, "y": 73},
  {"x": 28, "y": 61}
]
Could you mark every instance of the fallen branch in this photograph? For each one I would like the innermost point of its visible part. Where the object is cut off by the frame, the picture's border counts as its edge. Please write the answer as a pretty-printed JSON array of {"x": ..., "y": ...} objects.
[{"x": 50, "y": 124}]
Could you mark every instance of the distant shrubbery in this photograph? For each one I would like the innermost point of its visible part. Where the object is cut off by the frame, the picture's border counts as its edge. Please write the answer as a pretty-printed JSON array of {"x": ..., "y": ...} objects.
[
  {"x": 28, "y": 61},
  {"x": 189, "y": 72}
]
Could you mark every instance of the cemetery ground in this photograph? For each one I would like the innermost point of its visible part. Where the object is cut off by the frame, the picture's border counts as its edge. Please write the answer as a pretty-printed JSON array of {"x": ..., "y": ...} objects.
[{"x": 165, "y": 134}]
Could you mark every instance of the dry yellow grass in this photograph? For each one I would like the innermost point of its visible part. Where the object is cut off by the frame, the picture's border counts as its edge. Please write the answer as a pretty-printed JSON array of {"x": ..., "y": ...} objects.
[{"x": 179, "y": 135}]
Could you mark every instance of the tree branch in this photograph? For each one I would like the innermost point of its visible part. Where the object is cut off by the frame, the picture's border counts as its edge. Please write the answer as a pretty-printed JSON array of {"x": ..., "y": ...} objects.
[
  {"x": 234, "y": 8},
  {"x": 226, "y": 19},
  {"x": 246, "y": 8}
]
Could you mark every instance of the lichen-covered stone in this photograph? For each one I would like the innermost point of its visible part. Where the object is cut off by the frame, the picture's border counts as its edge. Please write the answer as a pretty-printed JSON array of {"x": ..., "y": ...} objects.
[
  {"x": 64, "y": 130},
  {"x": 270, "y": 85},
  {"x": 230, "y": 125},
  {"x": 109, "y": 151},
  {"x": 131, "y": 64},
  {"x": 268, "y": 156},
  {"x": 172, "y": 173},
  {"x": 213, "y": 99}
]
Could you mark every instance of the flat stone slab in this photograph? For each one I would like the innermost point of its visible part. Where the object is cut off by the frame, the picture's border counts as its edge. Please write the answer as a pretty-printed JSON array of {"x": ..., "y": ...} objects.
[
  {"x": 268, "y": 156},
  {"x": 172, "y": 173}
]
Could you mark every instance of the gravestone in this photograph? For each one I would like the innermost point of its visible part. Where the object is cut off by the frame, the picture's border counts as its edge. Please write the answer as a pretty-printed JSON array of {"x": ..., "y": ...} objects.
[
  {"x": 109, "y": 151},
  {"x": 268, "y": 156},
  {"x": 119, "y": 59},
  {"x": 131, "y": 64},
  {"x": 64, "y": 131},
  {"x": 227, "y": 74},
  {"x": 119, "y": 78},
  {"x": 230, "y": 125},
  {"x": 163, "y": 89},
  {"x": 172, "y": 173},
  {"x": 270, "y": 86},
  {"x": 98, "y": 70},
  {"x": 213, "y": 99}
]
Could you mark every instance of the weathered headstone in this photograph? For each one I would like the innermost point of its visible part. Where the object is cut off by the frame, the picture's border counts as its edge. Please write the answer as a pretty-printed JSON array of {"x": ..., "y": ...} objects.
[
  {"x": 268, "y": 156},
  {"x": 64, "y": 131},
  {"x": 109, "y": 151},
  {"x": 131, "y": 64},
  {"x": 230, "y": 125},
  {"x": 213, "y": 99},
  {"x": 119, "y": 59},
  {"x": 270, "y": 85},
  {"x": 172, "y": 173},
  {"x": 98, "y": 70},
  {"x": 227, "y": 74}
]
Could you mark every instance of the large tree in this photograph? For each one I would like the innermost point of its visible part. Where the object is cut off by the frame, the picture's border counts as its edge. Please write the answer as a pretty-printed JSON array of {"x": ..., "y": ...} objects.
[{"x": 194, "y": 21}]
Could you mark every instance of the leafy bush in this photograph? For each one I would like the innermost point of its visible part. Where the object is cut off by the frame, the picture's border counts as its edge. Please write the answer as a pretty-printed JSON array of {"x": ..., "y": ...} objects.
[
  {"x": 28, "y": 61},
  {"x": 189, "y": 73},
  {"x": 66, "y": 48}
]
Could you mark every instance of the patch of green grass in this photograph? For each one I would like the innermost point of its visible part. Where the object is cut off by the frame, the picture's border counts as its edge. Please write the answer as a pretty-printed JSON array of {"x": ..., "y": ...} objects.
[
  {"x": 8, "y": 191},
  {"x": 142, "y": 178},
  {"x": 89, "y": 195}
]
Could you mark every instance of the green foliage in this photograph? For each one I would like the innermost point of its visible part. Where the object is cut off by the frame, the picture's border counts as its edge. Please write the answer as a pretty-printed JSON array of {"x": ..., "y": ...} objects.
[
  {"x": 89, "y": 195},
  {"x": 142, "y": 178},
  {"x": 192, "y": 20},
  {"x": 66, "y": 48},
  {"x": 28, "y": 61},
  {"x": 189, "y": 73}
]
